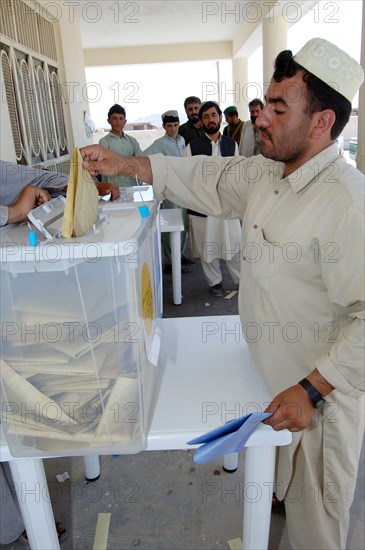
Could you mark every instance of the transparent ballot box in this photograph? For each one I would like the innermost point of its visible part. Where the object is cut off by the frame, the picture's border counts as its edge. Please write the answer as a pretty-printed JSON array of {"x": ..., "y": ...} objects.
[{"x": 80, "y": 336}]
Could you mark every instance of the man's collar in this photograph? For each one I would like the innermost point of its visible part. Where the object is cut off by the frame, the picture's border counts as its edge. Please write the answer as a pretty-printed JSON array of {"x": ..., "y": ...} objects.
[
  {"x": 172, "y": 139},
  {"x": 116, "y": 136},
  {"x": 210, "y": 139},
  {"x": 311, "y": 169}
]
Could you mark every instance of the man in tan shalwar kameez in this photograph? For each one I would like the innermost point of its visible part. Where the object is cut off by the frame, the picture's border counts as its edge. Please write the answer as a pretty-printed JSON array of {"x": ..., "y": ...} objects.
[{"x": 302, "y": 274}]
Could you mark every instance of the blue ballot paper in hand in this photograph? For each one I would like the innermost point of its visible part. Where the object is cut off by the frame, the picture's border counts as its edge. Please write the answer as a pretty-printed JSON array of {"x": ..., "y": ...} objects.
[{"x": 229, "y": 438}]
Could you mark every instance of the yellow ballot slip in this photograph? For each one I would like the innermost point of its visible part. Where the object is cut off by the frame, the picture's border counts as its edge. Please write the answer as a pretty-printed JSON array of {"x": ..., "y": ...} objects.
[{"x": 81, "y": 200}]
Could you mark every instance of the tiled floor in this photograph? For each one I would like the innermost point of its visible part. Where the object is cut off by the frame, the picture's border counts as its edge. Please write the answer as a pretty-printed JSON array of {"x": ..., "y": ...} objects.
[{"x": 163, "y": 500}]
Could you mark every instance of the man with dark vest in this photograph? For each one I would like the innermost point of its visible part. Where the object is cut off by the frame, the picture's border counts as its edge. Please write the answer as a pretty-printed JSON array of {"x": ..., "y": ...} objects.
[{"x": 213, "y": 238}]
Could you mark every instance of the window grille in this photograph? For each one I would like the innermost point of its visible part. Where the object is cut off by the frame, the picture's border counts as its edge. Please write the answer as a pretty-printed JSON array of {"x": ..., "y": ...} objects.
[
  {"x": 46, "y": 111},
  {"x": 13, "y": 112},
  {"x": 31, "y": 83}
]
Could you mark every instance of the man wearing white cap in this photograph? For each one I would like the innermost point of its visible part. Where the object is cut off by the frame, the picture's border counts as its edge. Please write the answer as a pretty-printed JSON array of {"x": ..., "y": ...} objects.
[
  {"x": 302, "y": 275},
  {"x": 171, "y": 144}
]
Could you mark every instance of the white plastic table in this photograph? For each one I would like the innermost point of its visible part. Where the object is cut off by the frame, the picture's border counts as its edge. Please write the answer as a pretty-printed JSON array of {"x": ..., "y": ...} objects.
[
  {"x": 207, "y": 378},
  {"x": 171, "y": 222}
]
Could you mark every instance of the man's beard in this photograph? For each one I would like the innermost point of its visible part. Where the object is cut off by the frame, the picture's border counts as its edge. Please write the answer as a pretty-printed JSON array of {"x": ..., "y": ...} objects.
[
  {"x": 283, "y": 149},
  {"x": 253, "y": 119},
  {"x": 212, "y": 129},
  {"x": 194, "y": 119}
]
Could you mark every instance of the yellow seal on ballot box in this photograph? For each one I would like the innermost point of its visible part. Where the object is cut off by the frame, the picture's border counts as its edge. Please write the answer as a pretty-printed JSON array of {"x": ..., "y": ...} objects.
[{"x": 148, "y": 310}]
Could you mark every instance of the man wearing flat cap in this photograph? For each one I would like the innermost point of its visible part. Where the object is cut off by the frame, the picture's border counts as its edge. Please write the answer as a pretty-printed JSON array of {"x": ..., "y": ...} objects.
[
  {"x": 234, "y": 124},
  {"x": 302, "y": 276}
]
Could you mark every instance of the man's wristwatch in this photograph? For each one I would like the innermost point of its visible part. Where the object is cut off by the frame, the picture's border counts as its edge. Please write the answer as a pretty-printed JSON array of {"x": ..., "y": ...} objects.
[{"x": 317, "y": 399}]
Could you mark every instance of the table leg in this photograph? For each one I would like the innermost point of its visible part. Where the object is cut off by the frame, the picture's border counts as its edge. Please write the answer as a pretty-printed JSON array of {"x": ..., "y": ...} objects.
[
  {"x": 31, "y": 488},
  {"x": 175, "y": 244},
  {"x": 258, "y": 488},
  {"x": 92, "y": 467},
  {"x": 230, "y": 462}
]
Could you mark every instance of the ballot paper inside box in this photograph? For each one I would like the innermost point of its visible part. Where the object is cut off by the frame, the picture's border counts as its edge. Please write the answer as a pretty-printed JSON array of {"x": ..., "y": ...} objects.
[{"x": 80, "y": 338}]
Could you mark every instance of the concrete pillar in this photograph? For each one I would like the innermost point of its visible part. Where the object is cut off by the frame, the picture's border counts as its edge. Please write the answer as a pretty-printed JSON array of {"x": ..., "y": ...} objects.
[
  {"x": 360, "y": 157},
  {"x": 274, "y": 40},
  {"x": 240, "y": 81}
]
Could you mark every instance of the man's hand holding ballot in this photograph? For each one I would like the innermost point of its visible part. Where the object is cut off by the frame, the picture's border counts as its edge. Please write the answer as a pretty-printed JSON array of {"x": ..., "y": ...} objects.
[{"x": 98, "y": 160}]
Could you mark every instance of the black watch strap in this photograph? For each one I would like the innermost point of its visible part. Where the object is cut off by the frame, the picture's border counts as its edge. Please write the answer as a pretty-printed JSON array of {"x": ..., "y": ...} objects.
[{"x": 317, "y": 399}]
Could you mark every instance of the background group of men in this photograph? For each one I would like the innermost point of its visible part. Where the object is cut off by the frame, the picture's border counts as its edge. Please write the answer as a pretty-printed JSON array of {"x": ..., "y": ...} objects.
[{"x": 212, "y": 239}]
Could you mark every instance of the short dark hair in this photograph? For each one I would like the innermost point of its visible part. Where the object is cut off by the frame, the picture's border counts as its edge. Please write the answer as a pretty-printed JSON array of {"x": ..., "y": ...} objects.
[
  {"x": 256, "y": 101},
  {"x": 191, "y": 99},
  {"x": 116, "y": 109},
  {"x": 208, "y": 105},
  {"x": 320, "y": 95}
]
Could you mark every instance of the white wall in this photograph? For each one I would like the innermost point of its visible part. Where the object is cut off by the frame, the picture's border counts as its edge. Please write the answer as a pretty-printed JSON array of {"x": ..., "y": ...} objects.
[
  {"x": 72, "y": 77},
  {"x": 350, "y": 130}
]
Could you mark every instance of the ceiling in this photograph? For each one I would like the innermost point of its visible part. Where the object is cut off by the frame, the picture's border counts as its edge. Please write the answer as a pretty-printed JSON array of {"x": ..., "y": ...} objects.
[
  {"x": 110, "y": 24},
  {"x": 118, "y": 24}
]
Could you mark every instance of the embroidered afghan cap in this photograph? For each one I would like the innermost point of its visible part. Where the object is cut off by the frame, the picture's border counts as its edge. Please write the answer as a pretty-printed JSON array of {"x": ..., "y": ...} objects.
[
  {"x": 170, "y": 116},
  {"x": 231, "y": 109},
  {"x": 331, "y": 65}
]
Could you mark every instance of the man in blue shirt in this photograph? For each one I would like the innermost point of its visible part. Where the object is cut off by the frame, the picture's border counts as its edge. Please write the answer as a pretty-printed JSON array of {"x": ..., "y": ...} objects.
[
  {"x": 22, "y": 188},
  {"x": 171, "y": 145}
]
